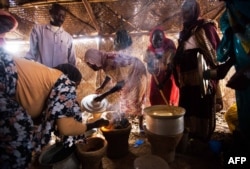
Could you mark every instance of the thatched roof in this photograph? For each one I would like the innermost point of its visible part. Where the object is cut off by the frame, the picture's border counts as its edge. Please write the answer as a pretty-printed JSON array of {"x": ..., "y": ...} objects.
[{"x": 105, "y": 17}]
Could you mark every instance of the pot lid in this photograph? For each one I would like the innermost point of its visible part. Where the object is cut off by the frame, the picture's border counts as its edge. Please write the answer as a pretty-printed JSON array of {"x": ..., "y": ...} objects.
[
  {"x": 92, "y": 106},
  {"x": 202, "y": 66}
]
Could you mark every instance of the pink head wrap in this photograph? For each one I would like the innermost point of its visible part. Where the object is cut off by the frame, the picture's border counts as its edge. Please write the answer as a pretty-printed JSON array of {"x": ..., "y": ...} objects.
[
  {"x": 167, "y": 44},
  {"x": 152, "y": 32},
  {"x": 94, "y": 57}
]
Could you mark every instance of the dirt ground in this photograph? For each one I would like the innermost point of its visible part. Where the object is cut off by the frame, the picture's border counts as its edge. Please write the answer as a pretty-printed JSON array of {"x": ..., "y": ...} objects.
[{"x": 198, "y": 155}]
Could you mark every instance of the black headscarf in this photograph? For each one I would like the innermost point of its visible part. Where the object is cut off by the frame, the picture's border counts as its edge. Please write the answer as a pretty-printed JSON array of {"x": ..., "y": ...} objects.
[{"x": 71, "y": 71}]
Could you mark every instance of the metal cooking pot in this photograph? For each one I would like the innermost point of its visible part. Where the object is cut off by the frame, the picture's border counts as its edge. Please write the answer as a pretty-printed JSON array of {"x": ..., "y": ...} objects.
[{"x": 164, "y": 119}]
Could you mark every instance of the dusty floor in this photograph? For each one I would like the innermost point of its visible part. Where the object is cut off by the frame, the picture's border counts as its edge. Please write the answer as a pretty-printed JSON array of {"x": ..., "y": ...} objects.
[{"x": 198, "y": 155}]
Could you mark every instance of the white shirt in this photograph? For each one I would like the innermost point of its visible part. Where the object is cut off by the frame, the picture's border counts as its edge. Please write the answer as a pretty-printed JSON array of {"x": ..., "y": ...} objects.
[{"x": 51, "y": 46}]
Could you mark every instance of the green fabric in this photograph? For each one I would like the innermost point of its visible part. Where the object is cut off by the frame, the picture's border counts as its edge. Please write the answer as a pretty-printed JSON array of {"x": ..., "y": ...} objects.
[
  {"x": 235, "y": 26},
  {"x": 225, "y": 48}
]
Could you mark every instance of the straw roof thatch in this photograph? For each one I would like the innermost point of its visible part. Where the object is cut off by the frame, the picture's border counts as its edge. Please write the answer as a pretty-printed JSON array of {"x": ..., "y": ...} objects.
[
  {"x": 105, "y": 17},
  {"x": 89, "y": 18}
]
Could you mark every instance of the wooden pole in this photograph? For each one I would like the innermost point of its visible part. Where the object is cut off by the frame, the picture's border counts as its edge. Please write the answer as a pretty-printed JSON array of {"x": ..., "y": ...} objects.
[{"x": 162, "y": 94}]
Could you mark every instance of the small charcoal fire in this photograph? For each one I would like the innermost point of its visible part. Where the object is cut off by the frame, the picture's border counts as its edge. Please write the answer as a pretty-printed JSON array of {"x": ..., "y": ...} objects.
[{"x": 117, "y": 120}]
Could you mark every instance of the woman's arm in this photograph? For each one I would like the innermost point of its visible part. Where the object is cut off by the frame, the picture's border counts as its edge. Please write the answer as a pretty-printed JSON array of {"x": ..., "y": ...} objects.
[
  {"x": 104, "y": 83},
  {"x": 117, "y": 87},
  {"x": 68, "y": 126}
]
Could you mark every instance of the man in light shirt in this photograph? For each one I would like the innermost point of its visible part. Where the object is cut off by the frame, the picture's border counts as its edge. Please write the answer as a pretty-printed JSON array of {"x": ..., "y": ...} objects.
[{"x": 50, "y": 44}]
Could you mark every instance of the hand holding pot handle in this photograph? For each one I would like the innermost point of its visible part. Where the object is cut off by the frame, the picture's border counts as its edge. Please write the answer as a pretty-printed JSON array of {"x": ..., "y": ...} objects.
[{"x": 99, "y": 90}]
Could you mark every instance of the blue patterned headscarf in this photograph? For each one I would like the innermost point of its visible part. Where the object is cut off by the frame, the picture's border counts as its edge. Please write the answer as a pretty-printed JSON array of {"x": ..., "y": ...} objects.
[{"x": 235, "y": 21}]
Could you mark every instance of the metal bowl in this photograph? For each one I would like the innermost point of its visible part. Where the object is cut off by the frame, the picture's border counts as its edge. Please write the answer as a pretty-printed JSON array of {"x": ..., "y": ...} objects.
[
  {"x": 164, "y": 119},
  {"x": 92, "y": 106}
]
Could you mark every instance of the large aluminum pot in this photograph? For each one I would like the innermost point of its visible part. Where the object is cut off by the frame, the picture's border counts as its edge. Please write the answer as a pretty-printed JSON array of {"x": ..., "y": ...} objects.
[{"x": 164, "y": 120}]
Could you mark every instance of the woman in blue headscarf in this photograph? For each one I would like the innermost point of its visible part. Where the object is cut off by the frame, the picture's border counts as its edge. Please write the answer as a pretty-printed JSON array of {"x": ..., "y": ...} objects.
[{"x": 235, "y": 26}]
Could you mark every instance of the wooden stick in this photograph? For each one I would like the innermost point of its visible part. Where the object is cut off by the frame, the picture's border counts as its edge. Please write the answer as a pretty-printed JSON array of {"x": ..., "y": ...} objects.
[
  {"x": 91, "y": 15},
  {"x": 162, "y": 94}
]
